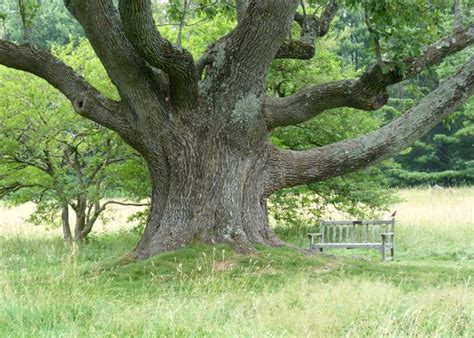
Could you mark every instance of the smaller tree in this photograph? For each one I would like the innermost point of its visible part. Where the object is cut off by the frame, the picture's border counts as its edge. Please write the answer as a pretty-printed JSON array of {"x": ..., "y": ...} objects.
[{"x": 54, "y": 158}]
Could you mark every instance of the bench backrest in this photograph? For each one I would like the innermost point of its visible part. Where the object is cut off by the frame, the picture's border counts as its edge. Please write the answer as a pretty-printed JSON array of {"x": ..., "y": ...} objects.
[{"x": 355, "y": 231}]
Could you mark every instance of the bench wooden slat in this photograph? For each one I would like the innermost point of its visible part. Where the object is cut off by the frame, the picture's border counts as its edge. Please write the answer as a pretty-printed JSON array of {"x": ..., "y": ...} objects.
[
  {"x": 356, "y": 222},
  {"x": 322, "y": 226}
]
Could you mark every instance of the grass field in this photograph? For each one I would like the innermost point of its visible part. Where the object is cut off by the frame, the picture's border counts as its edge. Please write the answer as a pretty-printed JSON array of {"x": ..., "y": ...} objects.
[{"x": 48, "y": 289}]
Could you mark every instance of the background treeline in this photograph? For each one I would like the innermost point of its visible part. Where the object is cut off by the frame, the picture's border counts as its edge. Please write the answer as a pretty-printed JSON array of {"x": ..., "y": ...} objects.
[{"x": 60, "y": 161}]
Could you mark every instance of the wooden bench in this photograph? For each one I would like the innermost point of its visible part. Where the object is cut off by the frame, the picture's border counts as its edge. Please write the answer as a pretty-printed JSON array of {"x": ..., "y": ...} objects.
[{"x": 378, "y": 235}]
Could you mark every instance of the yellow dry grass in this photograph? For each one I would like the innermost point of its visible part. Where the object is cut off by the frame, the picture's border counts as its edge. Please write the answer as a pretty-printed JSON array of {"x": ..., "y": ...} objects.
[
  {"x": 13, "y": 221},
  {"x": 419, "y": 207},
  {"x": 436, "y": 207}
]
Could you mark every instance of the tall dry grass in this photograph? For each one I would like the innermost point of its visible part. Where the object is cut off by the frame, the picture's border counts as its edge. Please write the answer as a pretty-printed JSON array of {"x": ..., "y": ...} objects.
[
  {"x": 439, "y": 208},
  {"x": 436, "y": 223}
]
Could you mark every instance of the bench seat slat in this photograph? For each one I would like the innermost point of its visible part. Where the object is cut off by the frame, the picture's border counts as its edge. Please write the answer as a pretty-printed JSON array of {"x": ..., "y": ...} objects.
[{"x": 348, "y": 245}]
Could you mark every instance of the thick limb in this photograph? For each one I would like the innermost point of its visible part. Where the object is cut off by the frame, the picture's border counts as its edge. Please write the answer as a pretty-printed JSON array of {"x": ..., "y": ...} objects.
[
  {"x": 86, "y": 100},
  {"x": 131, "y": 75},
  {"x": 243, "y": 56},
  {"x": 141, "y": 31},
  {"x": 312, "y": 27},
  {"x": 369, "y": 92},
  {"x": 290, "y": 168}
]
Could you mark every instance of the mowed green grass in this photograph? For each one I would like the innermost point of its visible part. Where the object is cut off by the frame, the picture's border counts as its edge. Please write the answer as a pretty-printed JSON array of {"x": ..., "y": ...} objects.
[{"x": 48, "y": 289}]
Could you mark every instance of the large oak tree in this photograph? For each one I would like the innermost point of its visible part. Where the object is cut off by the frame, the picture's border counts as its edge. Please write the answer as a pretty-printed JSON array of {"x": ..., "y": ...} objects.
[{"x": 203, "y": 126}]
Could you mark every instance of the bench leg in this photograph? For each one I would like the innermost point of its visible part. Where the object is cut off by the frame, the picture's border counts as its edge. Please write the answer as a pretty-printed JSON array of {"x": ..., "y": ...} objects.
[
  {"x": 383, "y": 251},
  {"x": 392, "y": 253},
  {"x": 320, "y": 249}
]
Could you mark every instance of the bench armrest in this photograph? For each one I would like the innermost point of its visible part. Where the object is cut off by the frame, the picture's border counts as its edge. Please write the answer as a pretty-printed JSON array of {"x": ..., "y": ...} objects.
[
  {"x": 386, "y": 234},
  {"x": 312, "y": 235}
]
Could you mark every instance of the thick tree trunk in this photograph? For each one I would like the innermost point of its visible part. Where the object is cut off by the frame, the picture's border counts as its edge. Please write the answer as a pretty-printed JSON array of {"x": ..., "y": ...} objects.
[
  {"x": 208, "y": 180},
  {"x": 212, "y": 197}
]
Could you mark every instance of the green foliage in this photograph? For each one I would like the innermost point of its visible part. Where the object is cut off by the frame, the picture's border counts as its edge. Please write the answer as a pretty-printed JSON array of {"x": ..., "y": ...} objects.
[
  {"x": 354, "y": 46},
  {"x": 50, "y": 155},
  {"x": 200, "y": 32},
  {"x": 444, "y": 156},
  {"x": 28, "y": 10},
  {"x": 360, "y": 194},
  {"x": 49, "y": 22},
  {"x": 403, "y": 27},
  {"x": 178, "y": 10},
  {"x": 139, "y": 219}
]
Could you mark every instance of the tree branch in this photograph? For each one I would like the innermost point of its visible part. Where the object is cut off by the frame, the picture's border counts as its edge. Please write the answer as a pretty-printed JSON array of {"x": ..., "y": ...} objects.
[
  {"x": 140, "y": 30},
  {"x": 289, "y": 168},
  {"x": 369, "y": 92},
  {"x": 16, "y": 159},
  {"x": 131, "y": 75},
  {"x": 312, "y": 28},
  {"x": 125, "y": 204},
  {"x": 75, "y": 163},
  {"x": 241, "y": 59},
  {"x": 241, "y": 8},
  {"x": 375, "y": 38},
  {"x": 86, "y": 100},
  {"x": 14, "y": 187}
]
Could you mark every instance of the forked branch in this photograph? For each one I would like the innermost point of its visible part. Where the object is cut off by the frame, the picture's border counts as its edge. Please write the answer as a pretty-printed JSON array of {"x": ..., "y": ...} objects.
[
  {"x": 178, "y": 63},
  {"x": 127, "y": 70},
  {"x": 312, "y": 27}
]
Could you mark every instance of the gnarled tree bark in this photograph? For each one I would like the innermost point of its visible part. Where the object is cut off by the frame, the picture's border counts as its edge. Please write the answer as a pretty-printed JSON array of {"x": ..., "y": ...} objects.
[{"x": 205, "y": 139}]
